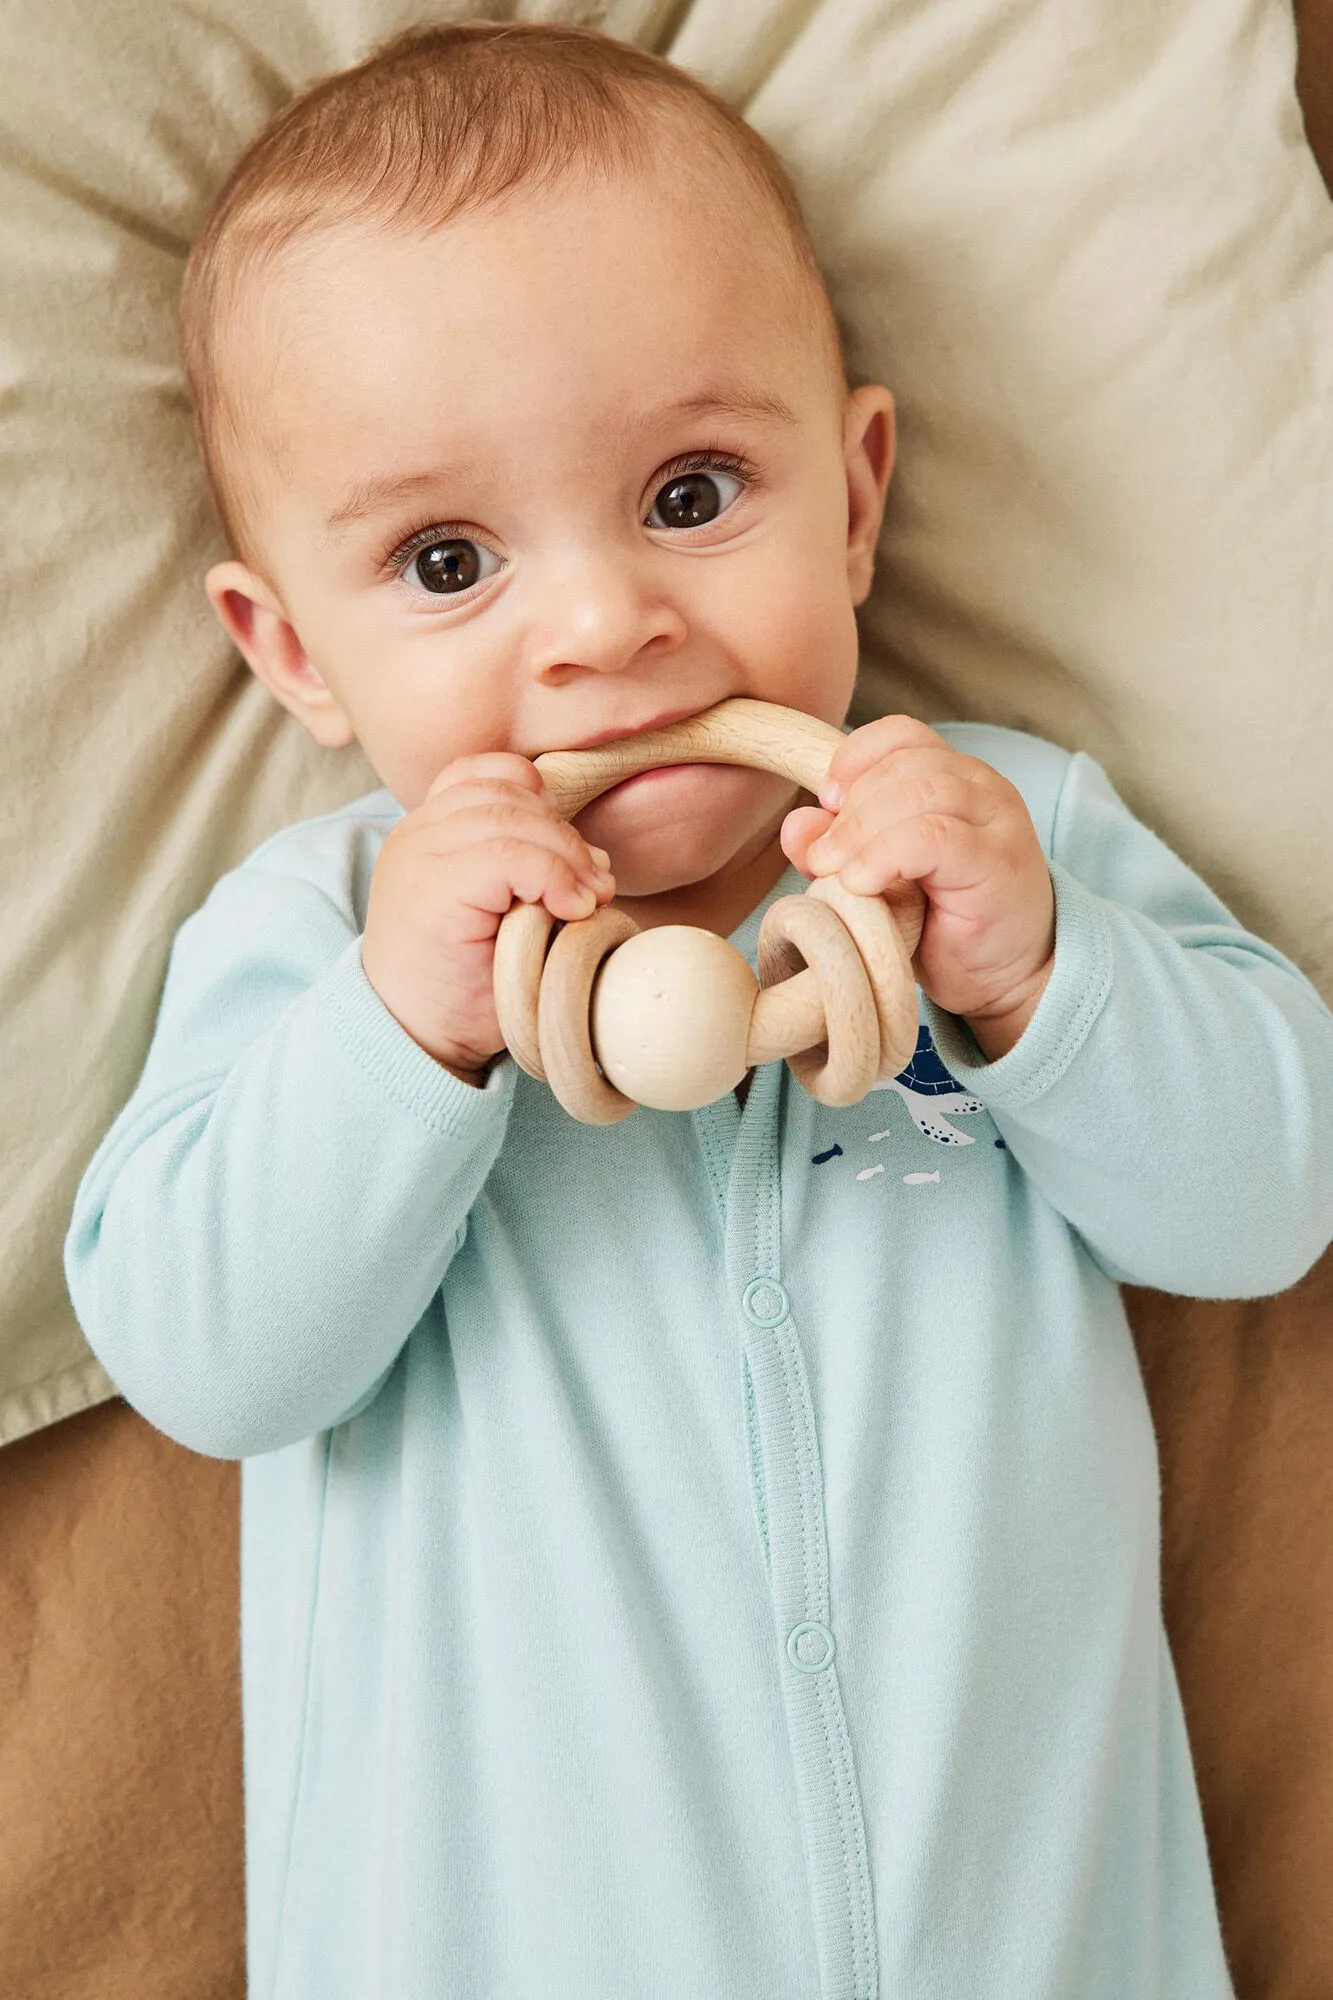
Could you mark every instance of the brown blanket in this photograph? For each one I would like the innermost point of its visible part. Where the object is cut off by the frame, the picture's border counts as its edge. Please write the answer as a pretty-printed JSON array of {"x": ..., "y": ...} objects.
[
  {"x": 120, "y": 1754},
  {"x": 120, "y": 1841}
]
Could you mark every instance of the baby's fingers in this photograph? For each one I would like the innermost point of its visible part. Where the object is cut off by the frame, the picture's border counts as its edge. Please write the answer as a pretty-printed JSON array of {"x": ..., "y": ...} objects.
[
  {"x": 801, "y": 828},
  {"x": 943, "y": 853},
  {"x": 870, "y": 745},
  {"x": 489, "y": 766},
  {"x": 499, "y": 872},
  {"x": 915, "y": 784},
  {"x": 476, "y": 816}
]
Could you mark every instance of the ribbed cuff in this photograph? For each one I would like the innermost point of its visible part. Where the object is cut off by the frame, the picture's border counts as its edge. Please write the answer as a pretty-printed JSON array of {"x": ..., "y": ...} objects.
[
  {"x": 1075, "y": 995},
  {"x": 379, "y": 1045}
]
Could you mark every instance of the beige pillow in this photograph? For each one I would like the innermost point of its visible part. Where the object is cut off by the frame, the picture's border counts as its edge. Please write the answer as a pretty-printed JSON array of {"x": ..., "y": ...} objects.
[{"x": 1083, "y": 240}]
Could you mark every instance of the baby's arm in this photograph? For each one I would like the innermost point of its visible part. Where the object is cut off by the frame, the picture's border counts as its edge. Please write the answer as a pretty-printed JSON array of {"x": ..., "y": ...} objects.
[
  {"x": 1173, "y": 1093},
  {"x": 1163, "y": 1076},
  {"x": 276, "y": 1206},
  {"x": 271, "y": 1213}
]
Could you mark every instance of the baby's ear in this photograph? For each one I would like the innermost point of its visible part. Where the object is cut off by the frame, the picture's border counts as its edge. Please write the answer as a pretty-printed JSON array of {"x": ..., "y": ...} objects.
[
  {"x": 869, "y": 442},
  {"x": 253, "y": 617}
]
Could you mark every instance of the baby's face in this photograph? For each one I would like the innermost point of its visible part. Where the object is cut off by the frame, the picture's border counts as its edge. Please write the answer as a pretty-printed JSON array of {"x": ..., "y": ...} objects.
[{"x": 560, "y": 471}]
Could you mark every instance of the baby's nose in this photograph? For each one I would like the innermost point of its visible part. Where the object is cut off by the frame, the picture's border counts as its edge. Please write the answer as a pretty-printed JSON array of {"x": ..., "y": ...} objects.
[{"x": 596, "y": 613}]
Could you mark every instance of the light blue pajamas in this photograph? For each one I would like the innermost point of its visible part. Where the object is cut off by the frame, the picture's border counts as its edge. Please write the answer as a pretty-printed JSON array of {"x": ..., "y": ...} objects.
[{"x": 713, "y": 1557}]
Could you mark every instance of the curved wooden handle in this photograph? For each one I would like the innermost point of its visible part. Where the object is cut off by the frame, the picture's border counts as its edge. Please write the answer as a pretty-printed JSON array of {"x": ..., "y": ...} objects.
[{"x": 735, "y": 731}]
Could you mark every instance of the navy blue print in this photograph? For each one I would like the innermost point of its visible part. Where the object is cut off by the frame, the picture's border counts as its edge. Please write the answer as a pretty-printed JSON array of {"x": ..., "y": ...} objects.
[
  {"x": 926, "y": 1072},
  {"x": 928, "y": 1090}
]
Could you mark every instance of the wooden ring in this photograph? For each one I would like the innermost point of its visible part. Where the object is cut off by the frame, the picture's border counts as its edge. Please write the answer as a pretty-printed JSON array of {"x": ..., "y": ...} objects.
[
  {"x": 520, "y": 954},
  {"x": 564, "y": 1010},
  {"x": 796, "y": 932},
  {"x": 888, "y": 963}
]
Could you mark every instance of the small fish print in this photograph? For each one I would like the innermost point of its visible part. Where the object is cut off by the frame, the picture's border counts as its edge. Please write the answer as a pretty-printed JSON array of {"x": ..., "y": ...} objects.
[
  {"x": 818, "y": 1159},
  {"x": 874, "y": 1136},
  {"x": 912, "y": 1180},
  {"x": 868, "y": 1173}
]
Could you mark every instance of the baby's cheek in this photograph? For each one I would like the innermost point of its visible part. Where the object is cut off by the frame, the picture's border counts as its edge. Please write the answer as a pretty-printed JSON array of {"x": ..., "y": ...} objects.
[
  {"x": 805, "y": 646},
  {"x": 774, "y": 612}
]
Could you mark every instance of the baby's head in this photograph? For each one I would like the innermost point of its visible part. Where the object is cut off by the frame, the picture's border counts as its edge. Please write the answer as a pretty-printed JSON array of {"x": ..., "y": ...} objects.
[{"x": 524, "y": 409}]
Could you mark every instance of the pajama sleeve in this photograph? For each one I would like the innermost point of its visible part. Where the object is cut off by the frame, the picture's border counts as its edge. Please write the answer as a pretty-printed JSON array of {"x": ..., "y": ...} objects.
[
  {"x": 275, "y": 1207},
  {"x": 1172, "y": 1095}
]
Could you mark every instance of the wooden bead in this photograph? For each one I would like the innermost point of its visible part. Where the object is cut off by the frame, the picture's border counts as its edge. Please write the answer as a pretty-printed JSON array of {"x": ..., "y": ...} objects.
[{"x": 671, "y": 1017}]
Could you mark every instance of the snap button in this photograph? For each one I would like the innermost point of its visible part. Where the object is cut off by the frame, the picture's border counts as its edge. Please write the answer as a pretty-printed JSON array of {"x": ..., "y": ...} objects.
[
  {"x": 765, "y": 1302},
  {"x": 810, "y": 1647}
]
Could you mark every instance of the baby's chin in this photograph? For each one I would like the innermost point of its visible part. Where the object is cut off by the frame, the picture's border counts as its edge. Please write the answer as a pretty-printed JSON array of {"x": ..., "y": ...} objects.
[{"x": 640, "y": 881}]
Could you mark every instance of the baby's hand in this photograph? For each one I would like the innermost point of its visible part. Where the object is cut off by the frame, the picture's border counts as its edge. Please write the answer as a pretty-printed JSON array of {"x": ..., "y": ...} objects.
[
  {"x": 900, "y": 802},
  {"x": 486, "y": 832}
]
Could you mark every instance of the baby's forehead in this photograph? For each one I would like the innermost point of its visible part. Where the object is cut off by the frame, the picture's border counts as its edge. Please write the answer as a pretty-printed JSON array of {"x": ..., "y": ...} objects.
[
  {"x": 516, "y": 281},
  {"x": 732, "y": 223}
]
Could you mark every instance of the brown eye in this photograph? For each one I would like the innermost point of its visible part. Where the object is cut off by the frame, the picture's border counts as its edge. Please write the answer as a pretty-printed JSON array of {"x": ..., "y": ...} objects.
[
  {"x": 448, "y": 567},
  {"x": 693, "y": 498}
]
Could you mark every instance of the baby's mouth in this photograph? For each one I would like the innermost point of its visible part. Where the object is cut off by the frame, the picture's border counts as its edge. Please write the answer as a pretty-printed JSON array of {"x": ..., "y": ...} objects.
[
  {"x": 639, "y": 788},
  {"x": 643, "y": 777},
  {"x": 666, "y": 720}
]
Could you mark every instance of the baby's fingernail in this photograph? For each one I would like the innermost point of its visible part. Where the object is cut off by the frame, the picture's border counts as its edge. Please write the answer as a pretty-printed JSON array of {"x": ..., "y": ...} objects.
[
  {"x": 586, "y": 900},
  {"x": 831, "y": 795},
  {"x": 825, "y": 851},
  {"x": 601, "y": 857}
]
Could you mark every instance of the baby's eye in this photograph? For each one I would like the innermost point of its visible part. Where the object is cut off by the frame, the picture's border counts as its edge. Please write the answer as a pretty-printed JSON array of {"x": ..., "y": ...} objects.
[
  {"x": 449, "y": 567},
  {"x": 692, "y": 498}
]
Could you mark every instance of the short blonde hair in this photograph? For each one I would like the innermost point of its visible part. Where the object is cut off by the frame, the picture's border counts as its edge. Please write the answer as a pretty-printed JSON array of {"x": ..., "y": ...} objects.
[{"x": 437, "y": 122}]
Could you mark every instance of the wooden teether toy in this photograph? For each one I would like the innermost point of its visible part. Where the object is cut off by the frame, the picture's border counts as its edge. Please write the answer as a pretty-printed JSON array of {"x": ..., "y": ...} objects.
[{"x": 673, "y": 1017}]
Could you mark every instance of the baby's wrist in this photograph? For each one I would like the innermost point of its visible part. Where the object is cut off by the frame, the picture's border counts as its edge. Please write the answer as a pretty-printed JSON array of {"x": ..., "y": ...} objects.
[
  {"x": 996, "y": 1030},
  {"x": 476, "y": 1077},
  {"x": 466, "y": 1064}
]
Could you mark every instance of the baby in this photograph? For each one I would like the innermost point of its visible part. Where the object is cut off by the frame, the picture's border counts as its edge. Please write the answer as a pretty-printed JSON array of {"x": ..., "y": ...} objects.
[{"x": 713, "y": 1557}]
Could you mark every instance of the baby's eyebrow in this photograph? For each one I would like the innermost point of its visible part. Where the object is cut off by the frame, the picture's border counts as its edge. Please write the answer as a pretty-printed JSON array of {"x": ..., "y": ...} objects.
[
  {"x": 371, "y": 495},
  {"x": 731, "y": 402}
]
